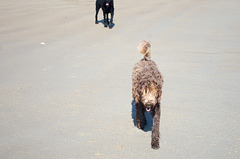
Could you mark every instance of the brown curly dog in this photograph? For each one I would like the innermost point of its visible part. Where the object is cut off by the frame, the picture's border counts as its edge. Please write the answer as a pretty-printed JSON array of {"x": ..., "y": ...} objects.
[{"x": 147, "y": 84}]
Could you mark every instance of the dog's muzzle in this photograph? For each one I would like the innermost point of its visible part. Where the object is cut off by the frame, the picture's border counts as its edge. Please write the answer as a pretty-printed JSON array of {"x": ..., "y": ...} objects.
[{"x": 149, "y": 107}]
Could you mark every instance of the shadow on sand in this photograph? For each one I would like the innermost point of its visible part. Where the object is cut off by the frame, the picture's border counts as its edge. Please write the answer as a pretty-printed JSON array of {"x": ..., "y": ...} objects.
[
  {"x": 102, "y": 21},
  {"x": 148, "y": 126}
]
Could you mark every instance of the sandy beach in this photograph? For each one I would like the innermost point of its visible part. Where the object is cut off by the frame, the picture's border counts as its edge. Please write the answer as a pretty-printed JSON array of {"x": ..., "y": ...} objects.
[{"x": 65, "y": 82}]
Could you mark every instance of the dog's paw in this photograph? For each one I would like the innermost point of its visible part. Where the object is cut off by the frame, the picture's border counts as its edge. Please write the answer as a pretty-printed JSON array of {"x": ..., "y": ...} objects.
[
  {"x": 110, "y": 25},
  {"x": 138, "y": 125},
  {"x": 96, "y": 22},
  {"x": 155, "y": 144}
]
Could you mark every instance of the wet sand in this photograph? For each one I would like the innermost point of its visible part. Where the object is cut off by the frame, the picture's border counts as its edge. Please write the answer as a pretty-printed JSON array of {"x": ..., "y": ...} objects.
[{"x": 65, "y": 84}]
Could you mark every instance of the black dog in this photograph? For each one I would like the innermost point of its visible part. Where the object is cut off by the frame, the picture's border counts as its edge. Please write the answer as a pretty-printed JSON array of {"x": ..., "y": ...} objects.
[{"x": 107, "y": 7}]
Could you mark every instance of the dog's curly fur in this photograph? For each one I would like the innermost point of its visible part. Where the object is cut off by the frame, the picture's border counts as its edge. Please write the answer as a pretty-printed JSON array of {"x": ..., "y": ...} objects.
[{"x": 147, "y": 84}]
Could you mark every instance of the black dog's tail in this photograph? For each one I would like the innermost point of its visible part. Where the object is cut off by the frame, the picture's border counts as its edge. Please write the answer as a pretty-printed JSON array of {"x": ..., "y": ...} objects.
[{"x": 145, "y": 49}]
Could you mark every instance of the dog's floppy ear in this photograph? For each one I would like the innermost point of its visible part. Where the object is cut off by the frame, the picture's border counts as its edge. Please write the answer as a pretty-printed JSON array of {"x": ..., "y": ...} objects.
[
  {"x": 139, "y": 92},
  {"x": 159, "y": 96}
]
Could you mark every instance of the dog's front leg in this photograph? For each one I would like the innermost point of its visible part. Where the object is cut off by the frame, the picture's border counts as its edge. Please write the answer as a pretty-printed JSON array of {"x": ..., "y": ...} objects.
[
  {"x": 155, "y": 129},
  {"x": 105, "y": 19},
  {"x": 140, "y": 116},
  {"x": 111, "y": 20},
  {"x": 97, "y": 10}
]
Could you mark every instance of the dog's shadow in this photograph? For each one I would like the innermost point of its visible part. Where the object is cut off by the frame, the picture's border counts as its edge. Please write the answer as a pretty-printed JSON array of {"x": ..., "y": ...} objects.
[
  {"x": 102, "y": 21},
  {"x": 148, "y": 126}
]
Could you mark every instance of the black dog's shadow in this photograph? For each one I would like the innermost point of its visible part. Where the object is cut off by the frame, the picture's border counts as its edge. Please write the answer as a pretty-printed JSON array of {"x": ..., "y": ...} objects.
[
  {"x": 148, "y": 126},
  {"x": 102, "y": 21}
]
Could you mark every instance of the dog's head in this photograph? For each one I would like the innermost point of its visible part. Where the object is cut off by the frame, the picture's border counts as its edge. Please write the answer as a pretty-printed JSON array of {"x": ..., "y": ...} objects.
[{"x": 149, "y": 96}]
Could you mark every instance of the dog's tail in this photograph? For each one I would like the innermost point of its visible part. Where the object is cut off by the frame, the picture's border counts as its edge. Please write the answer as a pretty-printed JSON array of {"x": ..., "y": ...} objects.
[{"x": 145, "y": 49}]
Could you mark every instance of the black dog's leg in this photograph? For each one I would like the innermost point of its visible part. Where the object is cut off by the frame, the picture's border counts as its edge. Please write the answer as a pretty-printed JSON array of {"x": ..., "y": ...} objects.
[
  {"x": 105, "y": 19},
  {"x": 141, "y": 121},
  {"x": 97, "y": 10},
  {"x": 111, "y": 20},
  {"x": 155, "y": 129}
]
